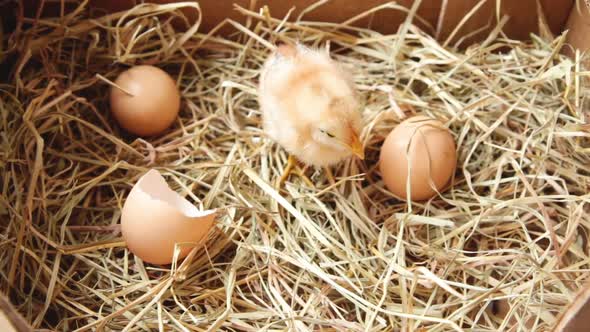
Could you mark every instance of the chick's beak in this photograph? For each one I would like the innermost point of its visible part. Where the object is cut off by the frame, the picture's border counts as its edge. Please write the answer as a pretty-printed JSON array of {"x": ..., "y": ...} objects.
[{"x": 356, "y": 146}]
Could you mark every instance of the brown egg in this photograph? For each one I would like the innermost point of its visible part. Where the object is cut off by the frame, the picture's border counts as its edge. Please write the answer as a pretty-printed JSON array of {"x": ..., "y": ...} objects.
[
  {"x": 147, "y": 101},
  {"x": 433, "y": 158},
  {"x": 155, "y": 218}
]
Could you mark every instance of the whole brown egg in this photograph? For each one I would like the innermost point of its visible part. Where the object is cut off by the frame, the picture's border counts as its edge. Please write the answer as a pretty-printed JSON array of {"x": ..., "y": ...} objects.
[{"x": 420, "y": 150}]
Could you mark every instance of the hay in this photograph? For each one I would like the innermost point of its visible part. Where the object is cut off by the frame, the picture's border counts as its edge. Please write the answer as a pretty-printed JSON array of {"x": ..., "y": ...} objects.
[{"x": 510, "y": 231}]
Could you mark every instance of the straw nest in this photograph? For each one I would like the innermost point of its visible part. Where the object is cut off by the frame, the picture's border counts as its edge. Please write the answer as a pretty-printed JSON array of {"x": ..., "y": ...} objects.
[{"x": 504, "y": 247}]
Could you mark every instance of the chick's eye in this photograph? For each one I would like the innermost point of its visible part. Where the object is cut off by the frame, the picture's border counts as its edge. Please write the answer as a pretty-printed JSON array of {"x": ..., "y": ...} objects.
[{"x": 327, "y": 133}]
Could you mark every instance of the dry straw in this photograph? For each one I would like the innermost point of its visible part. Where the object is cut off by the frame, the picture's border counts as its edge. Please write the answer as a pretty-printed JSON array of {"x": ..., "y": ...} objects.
[{"x": 511, "y": 232}]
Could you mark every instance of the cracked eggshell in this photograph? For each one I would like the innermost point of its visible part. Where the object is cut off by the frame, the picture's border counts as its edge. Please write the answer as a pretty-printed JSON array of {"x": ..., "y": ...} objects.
[{"x": 155, "y": 218}]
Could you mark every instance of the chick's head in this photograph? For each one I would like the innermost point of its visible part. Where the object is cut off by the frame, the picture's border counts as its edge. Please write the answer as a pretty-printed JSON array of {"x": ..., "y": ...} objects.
[
  {"x": 338, "y": 128},
  {"x": 333, "y": 116}
]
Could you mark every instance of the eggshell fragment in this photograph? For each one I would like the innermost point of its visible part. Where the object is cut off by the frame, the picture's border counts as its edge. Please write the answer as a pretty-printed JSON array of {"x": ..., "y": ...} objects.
[
  {"x": 155, "y": 218},
  {"x": 432, "y": 154},
  {"x": 145, "y": 100}
]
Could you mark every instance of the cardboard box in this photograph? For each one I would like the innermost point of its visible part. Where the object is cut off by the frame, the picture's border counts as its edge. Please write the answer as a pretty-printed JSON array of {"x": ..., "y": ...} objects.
[
  {"x": 578, "y": 25},
  {"x": 523, "y": 14}
]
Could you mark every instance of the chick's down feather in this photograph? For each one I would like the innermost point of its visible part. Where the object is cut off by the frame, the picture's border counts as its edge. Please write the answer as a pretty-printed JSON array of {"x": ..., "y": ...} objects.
[{"x": 309, "y": 105}]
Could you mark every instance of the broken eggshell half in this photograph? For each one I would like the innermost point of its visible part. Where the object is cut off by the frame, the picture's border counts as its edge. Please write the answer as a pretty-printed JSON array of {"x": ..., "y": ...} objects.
[{"x": 155, "y": 218}]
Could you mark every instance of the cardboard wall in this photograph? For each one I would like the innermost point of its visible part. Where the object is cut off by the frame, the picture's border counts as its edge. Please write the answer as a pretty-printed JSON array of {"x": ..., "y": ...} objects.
[{"x": 523, "y": 13}]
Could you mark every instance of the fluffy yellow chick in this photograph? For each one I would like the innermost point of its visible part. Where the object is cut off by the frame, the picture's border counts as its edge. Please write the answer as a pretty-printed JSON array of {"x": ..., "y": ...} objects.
[{"x": 309, "y": 106}]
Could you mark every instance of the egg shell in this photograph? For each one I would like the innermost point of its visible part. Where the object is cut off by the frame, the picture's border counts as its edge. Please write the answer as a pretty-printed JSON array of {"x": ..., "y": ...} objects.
[
  {"x": 154, "y": 218},
  {"x": 432, "y": 153},
  {"x": 153, "y": 105}
]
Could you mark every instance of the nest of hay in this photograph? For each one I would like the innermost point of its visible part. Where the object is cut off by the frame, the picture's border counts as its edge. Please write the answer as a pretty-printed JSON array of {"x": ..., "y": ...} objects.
[{"x": 504, "y": 246}]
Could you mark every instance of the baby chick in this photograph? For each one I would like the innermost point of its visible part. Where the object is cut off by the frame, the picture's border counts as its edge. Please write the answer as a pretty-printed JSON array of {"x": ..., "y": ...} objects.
[{"x": 309, "y": 106}]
